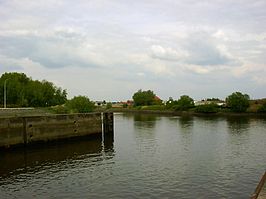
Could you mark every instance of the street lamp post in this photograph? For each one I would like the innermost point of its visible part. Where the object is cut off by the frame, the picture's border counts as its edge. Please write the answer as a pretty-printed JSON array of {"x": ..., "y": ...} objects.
[{"x": 5, "y": 93}]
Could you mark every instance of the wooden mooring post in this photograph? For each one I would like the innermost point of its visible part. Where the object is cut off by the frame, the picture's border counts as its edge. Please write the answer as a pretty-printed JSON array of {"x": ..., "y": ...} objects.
[
  {"x": 108, "y": 122},
  {"x": 108, "y": 130}
]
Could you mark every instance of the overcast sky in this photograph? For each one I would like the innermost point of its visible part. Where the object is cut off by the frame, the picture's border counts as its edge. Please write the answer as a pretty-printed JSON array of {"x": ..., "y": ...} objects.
[{"x": 108, "y": 49}]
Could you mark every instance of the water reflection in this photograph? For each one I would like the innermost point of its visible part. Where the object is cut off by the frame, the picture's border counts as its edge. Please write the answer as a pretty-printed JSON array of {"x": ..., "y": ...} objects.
[
  {"x": 186, "y": 122},
  {"x": 144, "y": 126},
  {"x": 108, "y": 141},
  {"x": 238, "y": 124},
  {"x": 21, "y": 160},
  {"x": 145, "y": 120}
]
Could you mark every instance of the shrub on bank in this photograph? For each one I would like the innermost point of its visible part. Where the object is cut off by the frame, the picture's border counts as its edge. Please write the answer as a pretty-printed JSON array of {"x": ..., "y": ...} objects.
[
  {"x": 80, "y": 104},
  {"x": 60, "y": 109},
  {"x": 207, "y": 108},
  {"x": 184, "y": 103},
  {"x": 109, "y": 105},
  {"x": 153, "y": 107},
  {"x": 238, "y": 102},
  {"x": 262, "y": 108}
]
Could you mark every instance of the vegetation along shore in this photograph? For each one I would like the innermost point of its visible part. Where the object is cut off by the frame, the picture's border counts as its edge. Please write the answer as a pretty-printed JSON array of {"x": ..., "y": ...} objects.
[{"x": 33, "y": 97}]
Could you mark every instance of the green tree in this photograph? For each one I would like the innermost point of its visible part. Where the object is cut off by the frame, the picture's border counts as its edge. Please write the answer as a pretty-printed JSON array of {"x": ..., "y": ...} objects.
[
  {"x": 80, "y": 104},
  {"x": 184, "y": 103},
  {"x": 171, "y": 103},
  {"x": 144, "y": 98},
  {"x": 15, "y": 88},
  {"x": 23, "y": 91},
  {"x": 238, "y": 102}
]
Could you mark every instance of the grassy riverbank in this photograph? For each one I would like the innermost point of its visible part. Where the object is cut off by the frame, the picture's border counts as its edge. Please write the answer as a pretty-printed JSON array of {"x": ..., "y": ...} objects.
[
  {"x": 17, "y": 112},
  {"x": 192, "y": 112}
]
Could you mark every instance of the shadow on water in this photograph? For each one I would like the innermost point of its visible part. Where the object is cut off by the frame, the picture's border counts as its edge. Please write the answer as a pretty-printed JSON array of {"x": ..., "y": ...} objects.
[{"x": 20, "y": 160}]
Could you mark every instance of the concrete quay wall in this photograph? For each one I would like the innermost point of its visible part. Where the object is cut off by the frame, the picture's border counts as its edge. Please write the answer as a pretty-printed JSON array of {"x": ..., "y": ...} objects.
[{"x": 26, "y": 130}]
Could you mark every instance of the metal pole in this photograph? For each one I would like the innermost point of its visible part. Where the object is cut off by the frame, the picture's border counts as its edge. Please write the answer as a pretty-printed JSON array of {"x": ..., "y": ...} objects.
[{"x": 5, "y": 93}]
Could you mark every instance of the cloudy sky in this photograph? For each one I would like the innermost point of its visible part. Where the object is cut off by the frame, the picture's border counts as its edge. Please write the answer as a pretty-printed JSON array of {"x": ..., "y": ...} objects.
[{"x": 108, "y": 49}]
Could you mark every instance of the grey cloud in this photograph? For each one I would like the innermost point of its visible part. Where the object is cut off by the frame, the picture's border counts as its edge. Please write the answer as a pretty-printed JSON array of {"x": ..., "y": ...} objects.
[
  {"x": 198, "y": 48},
  {"x": 49, "y": 51},
  {"x": 17, "y": 47},
  {"x": 106, "y": 37},
  {"x": 8, "y": 65},
  {"x": 202, "y": 53},
  {"x": 167, "y": 53},
  {"x": 203, "y": 50}
]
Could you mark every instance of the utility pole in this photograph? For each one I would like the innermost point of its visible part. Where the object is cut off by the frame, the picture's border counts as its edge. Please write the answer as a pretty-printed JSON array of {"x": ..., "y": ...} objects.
[{"x": 5, "y": 93}]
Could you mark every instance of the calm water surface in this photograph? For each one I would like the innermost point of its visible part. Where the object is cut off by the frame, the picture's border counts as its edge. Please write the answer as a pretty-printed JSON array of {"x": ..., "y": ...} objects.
[{"x": 150, "y": 157}]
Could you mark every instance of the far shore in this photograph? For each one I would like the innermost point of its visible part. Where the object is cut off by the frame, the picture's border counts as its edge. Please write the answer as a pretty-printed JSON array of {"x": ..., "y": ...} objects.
[
  {"x": 185, "y": 113},
  {"x": 20, "y": 112}
]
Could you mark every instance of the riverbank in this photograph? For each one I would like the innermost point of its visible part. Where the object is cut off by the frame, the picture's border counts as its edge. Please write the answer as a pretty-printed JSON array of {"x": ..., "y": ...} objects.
[
  {"x": 185, "y": 113},
  {"x": 22, "y": 112}
]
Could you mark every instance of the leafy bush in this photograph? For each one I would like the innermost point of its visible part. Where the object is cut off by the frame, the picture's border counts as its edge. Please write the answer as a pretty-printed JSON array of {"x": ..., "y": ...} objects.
[
  {"x": 144, "y": 98},
  {"x": 80, "y": 104},
  {"x": 262, "y": 108},
  {"x": 238, "y": 102},
  {"x": 184, "y": 103},
  {"x": 108, "y": 105},
  {"x": 60, "y": 109},
  {"x": 207, "y": 108},
  {"x": 170, "y": 103}
]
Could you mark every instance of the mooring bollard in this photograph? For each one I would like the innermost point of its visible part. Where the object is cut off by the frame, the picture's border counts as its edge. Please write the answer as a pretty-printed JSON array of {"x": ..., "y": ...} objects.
[
  {"x": 108, "y": 122},
  {"x": 108, "y": 130}
]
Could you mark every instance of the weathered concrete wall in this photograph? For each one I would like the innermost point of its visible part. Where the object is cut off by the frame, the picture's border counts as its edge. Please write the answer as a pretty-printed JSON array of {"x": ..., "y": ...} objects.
[
  {"x": 11, "y": 131},
  {"x": 26, "y": 130}
]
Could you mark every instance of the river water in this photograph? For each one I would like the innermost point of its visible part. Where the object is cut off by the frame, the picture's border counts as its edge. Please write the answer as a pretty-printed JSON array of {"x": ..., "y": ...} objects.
[{"x": 150, "y": 156}]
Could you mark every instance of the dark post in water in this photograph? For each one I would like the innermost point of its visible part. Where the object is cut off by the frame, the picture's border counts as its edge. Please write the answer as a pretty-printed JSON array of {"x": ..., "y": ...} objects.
[
  {"x": 108, "y": 123},
  {"x": 108, "y": 129}
]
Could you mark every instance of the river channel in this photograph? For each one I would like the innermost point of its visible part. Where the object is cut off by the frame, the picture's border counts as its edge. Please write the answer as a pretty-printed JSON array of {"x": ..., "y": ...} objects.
[{"x": 150, "y": 156}]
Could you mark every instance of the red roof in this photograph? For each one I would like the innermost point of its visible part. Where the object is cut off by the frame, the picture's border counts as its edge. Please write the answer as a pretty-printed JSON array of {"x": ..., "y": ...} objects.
[{"x": 157, "y": 98}]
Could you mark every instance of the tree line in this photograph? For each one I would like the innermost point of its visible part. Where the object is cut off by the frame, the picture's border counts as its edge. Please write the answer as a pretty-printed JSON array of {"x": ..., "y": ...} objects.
[
  {"x": 235, "y": 102},
  {"x": 22, "y": 91}
]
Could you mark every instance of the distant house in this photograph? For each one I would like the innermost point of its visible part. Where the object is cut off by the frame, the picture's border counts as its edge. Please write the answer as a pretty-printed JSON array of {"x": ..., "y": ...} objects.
[
  {"x": 98, "y": 103},
  {"x": 123, "y": 104},
  {"x": 117, "y": 105},
  {"x": 130, "y": 102},
  {"x": 205, "y": 102},
  {"x": 157, "y": 100}
]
